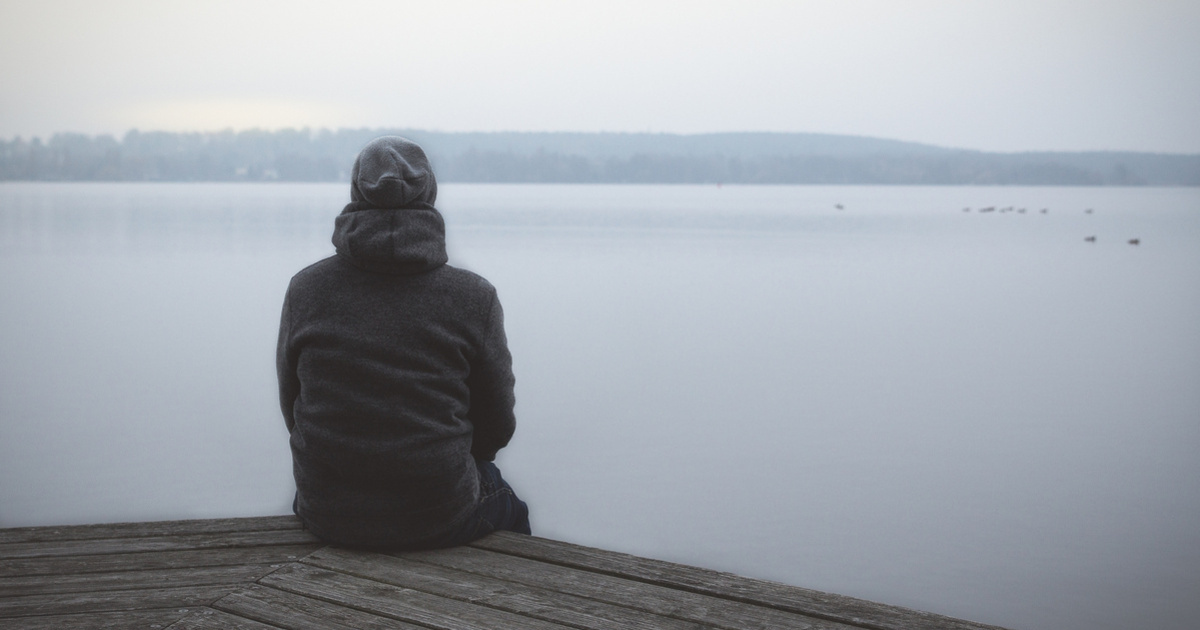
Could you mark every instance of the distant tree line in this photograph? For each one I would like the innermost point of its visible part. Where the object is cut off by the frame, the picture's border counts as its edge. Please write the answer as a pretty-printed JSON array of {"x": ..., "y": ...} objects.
[
  {"x": 801, "y": 169},
  {"x": 325, "y": 155}
]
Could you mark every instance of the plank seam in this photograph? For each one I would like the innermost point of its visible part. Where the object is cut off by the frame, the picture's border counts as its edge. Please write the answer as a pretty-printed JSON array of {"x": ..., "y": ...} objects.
[
  {"x": 167, "y": 541},
  {"x": 482, "y": 604},
  {"x": 679, "y": 586},
  {"x": 375, "y": 612},
  {"x": 53, "y": 613},
  {"x": 671, "y": 587},
  {"x": 229, "y": 611},
  {"x": 113, "y": 530},
  {"x": 33, "y": 571},
  {"x": 329, "y": 600}
]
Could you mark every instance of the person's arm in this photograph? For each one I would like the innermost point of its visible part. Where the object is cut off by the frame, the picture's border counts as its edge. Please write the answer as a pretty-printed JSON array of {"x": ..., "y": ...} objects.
[
  {"x": 491, "y": 383},
  {"x": 285, "y": 366}
]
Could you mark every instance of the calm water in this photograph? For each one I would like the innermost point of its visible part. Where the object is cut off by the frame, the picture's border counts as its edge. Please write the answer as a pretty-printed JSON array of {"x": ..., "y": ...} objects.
[{"x": 981, "y": 415}]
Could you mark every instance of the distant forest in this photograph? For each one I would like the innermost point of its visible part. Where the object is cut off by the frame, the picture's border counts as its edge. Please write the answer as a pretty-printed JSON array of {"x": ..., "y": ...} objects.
[{"x": 732, "y": 158}]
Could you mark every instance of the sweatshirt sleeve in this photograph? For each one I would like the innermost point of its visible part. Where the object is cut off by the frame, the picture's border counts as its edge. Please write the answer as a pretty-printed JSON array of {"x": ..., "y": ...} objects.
[
  {"x": 491, "y": 383},
  {"x": 285, "y": 366}
]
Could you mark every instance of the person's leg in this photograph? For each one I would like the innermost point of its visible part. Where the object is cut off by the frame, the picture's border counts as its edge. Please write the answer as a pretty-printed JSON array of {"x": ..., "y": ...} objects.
[
  {"x": 498, "y": 504},
  {"x": 498, "y": 509}
]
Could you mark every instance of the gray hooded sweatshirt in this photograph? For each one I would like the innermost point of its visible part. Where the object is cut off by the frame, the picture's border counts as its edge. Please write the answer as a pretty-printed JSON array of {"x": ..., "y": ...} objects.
[{"x": 394, "y": 371}]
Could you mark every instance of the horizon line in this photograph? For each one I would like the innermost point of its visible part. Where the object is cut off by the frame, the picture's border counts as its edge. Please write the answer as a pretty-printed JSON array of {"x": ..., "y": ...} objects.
[{"x": 313, "y": 130}]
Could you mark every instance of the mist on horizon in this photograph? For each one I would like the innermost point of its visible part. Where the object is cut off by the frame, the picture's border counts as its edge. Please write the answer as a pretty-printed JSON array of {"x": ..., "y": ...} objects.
[{"x": 1063, "y": 75}]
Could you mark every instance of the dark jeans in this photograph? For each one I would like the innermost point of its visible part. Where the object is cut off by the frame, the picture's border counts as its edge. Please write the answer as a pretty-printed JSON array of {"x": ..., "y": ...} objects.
[{"x": 499, "y": 509}]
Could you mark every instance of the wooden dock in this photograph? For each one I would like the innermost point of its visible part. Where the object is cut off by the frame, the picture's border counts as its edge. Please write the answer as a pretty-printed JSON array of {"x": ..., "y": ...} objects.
[{"x": 268, "y": 573}]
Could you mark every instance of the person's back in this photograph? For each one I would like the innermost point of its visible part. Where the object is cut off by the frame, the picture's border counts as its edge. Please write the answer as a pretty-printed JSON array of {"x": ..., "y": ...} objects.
[{"x": 394, "y": 372}]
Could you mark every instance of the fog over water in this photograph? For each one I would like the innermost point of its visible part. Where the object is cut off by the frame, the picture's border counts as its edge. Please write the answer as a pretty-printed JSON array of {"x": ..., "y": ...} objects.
[{"x": 977, "y": 414}]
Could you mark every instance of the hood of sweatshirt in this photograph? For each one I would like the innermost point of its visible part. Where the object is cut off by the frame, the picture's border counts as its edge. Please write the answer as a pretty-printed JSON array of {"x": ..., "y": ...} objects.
[{"x": 391, "y": 224}]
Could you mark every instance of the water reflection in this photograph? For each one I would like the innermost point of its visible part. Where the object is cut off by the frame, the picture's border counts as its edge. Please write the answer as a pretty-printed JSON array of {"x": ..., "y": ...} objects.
[{"x": 111, "y": 217}]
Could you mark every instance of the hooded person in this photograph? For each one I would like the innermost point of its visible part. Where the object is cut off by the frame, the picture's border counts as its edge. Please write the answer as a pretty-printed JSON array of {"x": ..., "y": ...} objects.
[{"x": 395, "y": 378}]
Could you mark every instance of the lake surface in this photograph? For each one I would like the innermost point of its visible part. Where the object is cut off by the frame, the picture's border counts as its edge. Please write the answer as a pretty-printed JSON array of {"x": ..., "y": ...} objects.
[{"x": 977, "y": 414}]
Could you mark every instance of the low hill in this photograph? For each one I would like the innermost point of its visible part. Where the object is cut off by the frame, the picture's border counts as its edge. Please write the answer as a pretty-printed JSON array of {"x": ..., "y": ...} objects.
[{"x": 555, "y": 157}]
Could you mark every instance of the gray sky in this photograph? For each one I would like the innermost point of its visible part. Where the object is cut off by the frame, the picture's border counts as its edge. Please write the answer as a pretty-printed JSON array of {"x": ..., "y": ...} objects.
[{"x": 996, "y": 75}]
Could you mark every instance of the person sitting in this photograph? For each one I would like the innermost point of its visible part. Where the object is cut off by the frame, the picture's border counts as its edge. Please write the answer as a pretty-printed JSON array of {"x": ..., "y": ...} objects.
[{"x": 395, "y": 377}]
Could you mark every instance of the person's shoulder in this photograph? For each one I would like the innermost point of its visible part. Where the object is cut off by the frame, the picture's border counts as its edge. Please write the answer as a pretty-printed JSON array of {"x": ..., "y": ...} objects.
[
  {"x": 319, "y": 266},
  {"x": 465, "y": 280},
  {"x": 317, "y": 271}
]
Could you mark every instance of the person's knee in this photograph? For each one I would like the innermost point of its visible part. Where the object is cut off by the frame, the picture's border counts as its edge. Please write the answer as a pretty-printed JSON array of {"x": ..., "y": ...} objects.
[
  {"x": 521, "y": 517},
  {"x": 504, "y": 509}
]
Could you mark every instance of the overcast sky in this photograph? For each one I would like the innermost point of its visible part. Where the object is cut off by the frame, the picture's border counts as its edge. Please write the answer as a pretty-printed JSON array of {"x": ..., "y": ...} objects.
[{"x": 1006, "y": 75}]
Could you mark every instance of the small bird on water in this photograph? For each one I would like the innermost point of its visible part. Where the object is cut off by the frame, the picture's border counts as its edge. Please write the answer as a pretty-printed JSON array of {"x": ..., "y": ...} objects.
[
  {"x": 1090, "y": 239},
  {"x": 1135, "y": 241}
]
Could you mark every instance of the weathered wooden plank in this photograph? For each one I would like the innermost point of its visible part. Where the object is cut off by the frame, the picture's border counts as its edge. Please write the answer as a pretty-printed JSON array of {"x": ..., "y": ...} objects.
[
  {"x": 119, "y": 620},
  {"x": 119, "y": 575},
  {"x": 154, "y": 543},
  {"x": 126, "y": 580},
  {"x": 652, "y": 598},
  {"x": 726, "y": 585},
  {"x": 296, "y": 612},
  {"x": 69, "y": 565},
  {"x": 211, "y": 619},
  {"x": 141, "y": 599},
  {"x": 398, "y": 603},
  {"x": 529, "y": 601},
  {"x": 154, "y": 528}
]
